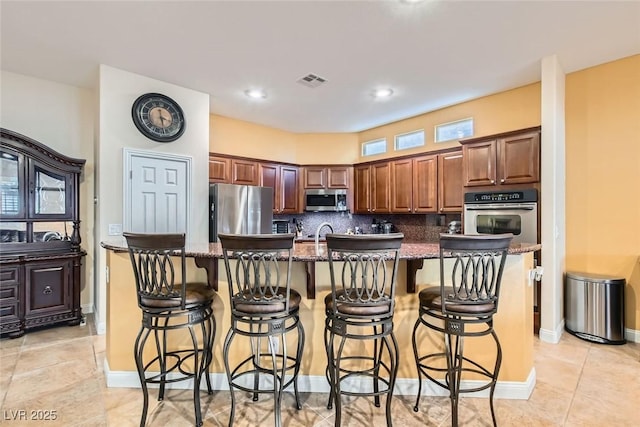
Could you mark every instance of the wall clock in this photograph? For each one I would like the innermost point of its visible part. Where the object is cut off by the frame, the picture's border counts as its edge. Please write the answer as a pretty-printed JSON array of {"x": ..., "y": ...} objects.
[{"x": 158, "y": 117}]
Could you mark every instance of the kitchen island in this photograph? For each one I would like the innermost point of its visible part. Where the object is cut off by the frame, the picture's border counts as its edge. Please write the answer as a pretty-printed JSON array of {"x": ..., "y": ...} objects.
[{"x": 419, "y": 266}]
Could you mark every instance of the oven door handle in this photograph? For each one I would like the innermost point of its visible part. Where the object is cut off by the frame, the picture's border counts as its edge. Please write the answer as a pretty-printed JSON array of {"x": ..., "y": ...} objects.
[{"x": 499, "y": 208}]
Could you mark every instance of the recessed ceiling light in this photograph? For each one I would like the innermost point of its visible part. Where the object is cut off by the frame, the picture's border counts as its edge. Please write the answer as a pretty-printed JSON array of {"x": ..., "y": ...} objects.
[
  {"x": 255, "y": 93},
  {"x": 382, "y": 93}
]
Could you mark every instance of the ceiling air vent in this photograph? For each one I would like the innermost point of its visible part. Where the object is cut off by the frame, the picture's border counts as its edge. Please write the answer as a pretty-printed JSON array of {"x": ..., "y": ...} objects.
[{"x": 312, "y": 80}]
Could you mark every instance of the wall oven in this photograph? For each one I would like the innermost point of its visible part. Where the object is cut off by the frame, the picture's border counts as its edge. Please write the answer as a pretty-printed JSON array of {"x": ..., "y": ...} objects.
[{"x": 503, "y": 212}]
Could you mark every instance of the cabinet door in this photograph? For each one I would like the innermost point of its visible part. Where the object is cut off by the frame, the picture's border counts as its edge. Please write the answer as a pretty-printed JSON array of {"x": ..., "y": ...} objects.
[
  {"x": 244, "y": 172},
  {"x": 47, "y": 288},
  {"x": 219, "y": 169},
  {"x": 381, "y": 187},
  {"x": 362, "y": 184},
  {"x": 519, "y": 159},
  {"x": 479, "y": 163},
  {"x": 52, "y": 192},
  {"x": 401, "y": 186},
  {"x": 270, "y": 177},
  {"x": 289, "y": 189},
  {"x": 315, "y": 177},
  {"x": 338, "y": 177},
  {"x": 425, "y": 184},
  {"x": 12, "y": 190},
  {"x": 450, "y": 182}
]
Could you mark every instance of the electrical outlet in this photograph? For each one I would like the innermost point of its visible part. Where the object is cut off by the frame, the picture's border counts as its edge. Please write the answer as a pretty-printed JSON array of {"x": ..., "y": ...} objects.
[{"x": 115, "y": 229}]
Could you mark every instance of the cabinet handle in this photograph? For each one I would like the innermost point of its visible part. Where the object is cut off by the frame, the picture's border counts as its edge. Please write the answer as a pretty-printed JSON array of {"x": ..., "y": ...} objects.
[
  {"x": 441, "y": 209},
  {"x": 409, "y": 209},
  {"x": 502, "y": 180},
  {"x": 492, "y": 181},
  {"x": 47, "y": 290}
]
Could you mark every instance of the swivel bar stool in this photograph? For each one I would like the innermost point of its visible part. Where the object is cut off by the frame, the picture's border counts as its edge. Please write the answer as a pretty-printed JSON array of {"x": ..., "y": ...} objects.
[
  {"x": 359, "y": 310},
  {"x": 169, "y": 303},
  {"x": 265, "y": 309},
  {"x": 462, "y": 306}
]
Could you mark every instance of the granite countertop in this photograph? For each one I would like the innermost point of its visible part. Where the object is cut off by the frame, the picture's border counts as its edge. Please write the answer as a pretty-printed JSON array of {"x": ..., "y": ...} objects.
[{"x": 305, "y": 250}]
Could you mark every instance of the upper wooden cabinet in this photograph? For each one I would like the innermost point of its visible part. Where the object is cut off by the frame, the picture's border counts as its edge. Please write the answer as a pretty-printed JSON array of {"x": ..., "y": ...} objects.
[
  {"x": 450, "y": 182},
  {"x": 372, "y": 188},
  {"x": 321, "y": 177},
  {"x": 230, "y": 170},
  {"x": 244, "y": 172},
  {"x": 414, "y": 184},
  {"x": 508, "y": 158},
  {"x": 362, "y": 183},
  {"x": 219, "y": 169},
  {"x": 284, "y": 181}
]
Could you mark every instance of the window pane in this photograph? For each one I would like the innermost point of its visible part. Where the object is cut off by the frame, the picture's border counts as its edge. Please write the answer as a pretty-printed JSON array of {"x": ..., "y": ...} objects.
[
  {"x": 454, "y": 130},
  {"x": 410, "y": 140},
  {"x": 377, "y": 146}
]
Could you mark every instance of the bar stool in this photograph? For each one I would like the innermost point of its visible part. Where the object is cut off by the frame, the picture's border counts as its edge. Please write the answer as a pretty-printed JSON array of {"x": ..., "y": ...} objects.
[
  {"x": 265, "y": 309},
  {"x": 169, "y": 303},
  {"x": 360, "y": 309},
  {"x": 464, "y": 307}
]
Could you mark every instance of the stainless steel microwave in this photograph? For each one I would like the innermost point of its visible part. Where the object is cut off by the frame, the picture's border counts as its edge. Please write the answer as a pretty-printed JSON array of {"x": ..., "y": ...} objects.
[{"x": 329, "y": 200}]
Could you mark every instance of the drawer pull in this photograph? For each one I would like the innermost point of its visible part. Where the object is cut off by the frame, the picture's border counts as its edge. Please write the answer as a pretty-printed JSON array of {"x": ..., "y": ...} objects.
[{"x": 47, "y": 290}]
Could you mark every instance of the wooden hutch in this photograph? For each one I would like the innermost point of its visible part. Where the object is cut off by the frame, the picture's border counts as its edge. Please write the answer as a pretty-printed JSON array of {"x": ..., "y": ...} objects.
[{"x": 40, "y": 253}]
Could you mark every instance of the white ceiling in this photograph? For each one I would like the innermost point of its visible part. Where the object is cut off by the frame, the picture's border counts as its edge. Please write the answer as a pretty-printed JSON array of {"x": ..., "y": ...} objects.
[{"x": 433, "y": 53}]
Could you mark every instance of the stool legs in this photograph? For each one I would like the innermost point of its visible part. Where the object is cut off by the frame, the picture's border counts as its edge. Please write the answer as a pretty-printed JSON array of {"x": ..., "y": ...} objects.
[
  {"x": 281, "y": 362},
  {"x": 202, "y": 359},
  {"x": 457, "y": 363},
  {"x": 336, "y": 373}
]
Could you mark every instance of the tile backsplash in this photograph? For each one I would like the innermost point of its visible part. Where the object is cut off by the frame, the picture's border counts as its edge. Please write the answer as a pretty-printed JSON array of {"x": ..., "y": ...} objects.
[{"x": 415, "y": 227}]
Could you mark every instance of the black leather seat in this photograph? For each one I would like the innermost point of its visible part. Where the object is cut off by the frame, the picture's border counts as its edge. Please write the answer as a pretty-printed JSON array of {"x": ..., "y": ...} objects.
[
  {"x": 467, "y": 296},
  {"x": 360, "y": 309},
  {"x": 169, "y": 303},
  {"x": 263, "y": 309}
]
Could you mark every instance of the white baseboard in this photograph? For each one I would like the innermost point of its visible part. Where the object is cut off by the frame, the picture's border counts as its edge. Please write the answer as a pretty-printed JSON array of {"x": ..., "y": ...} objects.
[
  {"x": 552, "y": 336},
  {"x": 632, "y": 335},
  {"x": 318, "y": 384}
]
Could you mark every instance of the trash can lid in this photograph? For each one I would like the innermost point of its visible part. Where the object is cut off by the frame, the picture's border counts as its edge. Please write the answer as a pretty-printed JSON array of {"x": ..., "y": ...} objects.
[{"x": 598, "y": 278}]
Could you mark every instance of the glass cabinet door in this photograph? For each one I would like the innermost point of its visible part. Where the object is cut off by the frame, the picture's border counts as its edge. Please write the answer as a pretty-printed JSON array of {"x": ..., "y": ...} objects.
[
  {"x": 11, "y": 185},
  {"x": 49, "y": 193}
]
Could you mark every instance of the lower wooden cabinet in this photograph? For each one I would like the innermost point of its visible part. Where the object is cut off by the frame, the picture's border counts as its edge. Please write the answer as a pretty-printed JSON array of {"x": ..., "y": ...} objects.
[{"x": 39, "y": 290}]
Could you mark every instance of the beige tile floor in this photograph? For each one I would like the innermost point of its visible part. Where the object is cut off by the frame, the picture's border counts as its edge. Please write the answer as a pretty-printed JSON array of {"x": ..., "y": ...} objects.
[{"x": 60, "y": 369}]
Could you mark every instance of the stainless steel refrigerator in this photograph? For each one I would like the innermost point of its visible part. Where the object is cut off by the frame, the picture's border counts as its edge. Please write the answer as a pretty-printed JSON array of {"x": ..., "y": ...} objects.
[{"x": 239, "y": 209}]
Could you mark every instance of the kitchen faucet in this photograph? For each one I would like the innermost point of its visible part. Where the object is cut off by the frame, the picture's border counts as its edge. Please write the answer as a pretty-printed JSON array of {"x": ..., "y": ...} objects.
[{"x": 320, "y": 227}]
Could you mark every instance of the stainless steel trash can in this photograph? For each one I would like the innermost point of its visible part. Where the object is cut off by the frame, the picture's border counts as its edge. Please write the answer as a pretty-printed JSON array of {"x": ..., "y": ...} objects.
[{"x": 594, "y": 307}]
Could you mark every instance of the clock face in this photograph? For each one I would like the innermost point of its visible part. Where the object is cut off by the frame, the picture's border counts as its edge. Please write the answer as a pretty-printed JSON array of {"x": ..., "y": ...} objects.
[{"x": 158, "y": 117}]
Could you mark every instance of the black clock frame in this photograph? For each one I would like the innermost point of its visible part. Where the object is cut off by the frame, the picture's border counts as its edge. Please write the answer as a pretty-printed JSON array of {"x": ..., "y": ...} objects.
[{"x": 143, "y": 126}]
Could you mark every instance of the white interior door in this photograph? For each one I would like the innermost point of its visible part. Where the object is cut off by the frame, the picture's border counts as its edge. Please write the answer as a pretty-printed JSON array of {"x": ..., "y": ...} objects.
[{"x": 157, "y": 192}]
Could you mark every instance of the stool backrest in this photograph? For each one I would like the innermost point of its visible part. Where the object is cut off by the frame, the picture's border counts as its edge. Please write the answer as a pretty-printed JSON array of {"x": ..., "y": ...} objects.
[
  {"x": 365, "y": 278},
  {"x": 257, "y": 277},
  {"x": 156, "y": 278},
  {"x": 476, "y": 274}
]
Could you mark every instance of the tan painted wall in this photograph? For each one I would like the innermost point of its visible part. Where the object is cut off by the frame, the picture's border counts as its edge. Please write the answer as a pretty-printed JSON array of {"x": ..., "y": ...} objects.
[
  {"x": 514, "y": 109},
  {"x": 513, "y": 323},
  {"x": 240, "y": 138},
  {"x": 603, "y": 175}
]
